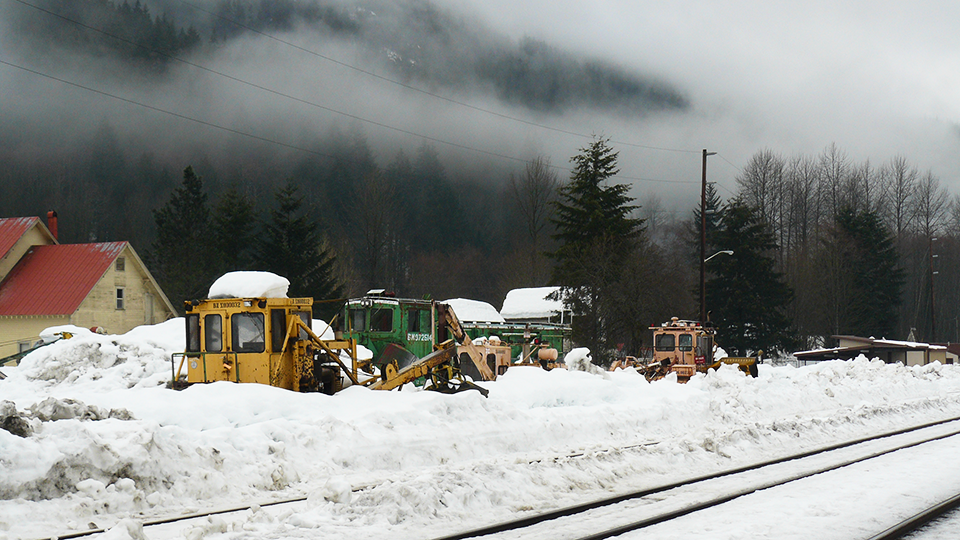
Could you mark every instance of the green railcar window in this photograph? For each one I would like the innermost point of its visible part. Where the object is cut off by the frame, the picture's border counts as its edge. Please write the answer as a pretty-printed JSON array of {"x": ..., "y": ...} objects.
[
  {"x": 358, "y": 320},
  {"x": 418, "y": 320},
  {"x": 382, "y": 320}
]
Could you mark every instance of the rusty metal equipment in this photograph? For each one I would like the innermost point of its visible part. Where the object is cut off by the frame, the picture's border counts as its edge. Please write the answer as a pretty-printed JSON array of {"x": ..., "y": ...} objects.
[
  {"x": 271, "y": 341},
  {"x": 687, "y": 347}
]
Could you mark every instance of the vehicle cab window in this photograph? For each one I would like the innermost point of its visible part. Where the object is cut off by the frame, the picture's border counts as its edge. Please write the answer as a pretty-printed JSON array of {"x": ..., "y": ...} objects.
[
  {"x": 212, "y": 333},
  {"x": 358, "y": 320},
  {"x": 248, "y": 332},
  {"x": 382, "y": 320},
  {"x": 665, "y": 342},
  {"x": 685, "y": 342}
]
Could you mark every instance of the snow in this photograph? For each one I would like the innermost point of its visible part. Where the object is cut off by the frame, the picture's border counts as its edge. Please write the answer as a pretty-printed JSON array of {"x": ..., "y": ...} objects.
[
  {"x": 474, "y": 311},
  {"x": 249, "y": 284},
  {"x": 53, "y": 333},
  {"x": 106, "y": 444},
  {"x": 530, "y": 303}
]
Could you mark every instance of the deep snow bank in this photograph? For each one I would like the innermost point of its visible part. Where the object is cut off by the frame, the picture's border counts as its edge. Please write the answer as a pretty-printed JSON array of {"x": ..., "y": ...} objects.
[{"x": 106, "y": 440}]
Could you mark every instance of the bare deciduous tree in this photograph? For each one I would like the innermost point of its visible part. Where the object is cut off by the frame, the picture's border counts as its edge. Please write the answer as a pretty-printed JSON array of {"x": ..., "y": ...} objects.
[
  {"x": 532, "y": 194},
  {"x": 899, "y": 182}
]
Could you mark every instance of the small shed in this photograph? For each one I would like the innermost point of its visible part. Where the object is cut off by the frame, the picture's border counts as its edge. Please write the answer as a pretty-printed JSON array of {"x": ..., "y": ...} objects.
[{"x": 890, "y": 351}]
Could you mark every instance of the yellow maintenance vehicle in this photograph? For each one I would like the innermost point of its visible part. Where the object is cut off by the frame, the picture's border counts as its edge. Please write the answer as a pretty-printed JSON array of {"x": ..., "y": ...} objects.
[
  {"x": 271, "y": 341},
  {"x": 687, "y": 347}
]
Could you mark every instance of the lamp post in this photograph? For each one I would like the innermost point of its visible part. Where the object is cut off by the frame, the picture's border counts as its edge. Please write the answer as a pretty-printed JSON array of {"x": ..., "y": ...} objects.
[
  {"x": 703, "y": 283},
  {"x": 703, "y": 236}
]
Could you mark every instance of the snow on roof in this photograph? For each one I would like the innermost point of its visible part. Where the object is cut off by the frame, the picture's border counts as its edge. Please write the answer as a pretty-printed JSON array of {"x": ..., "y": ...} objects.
[
  {"x": 530, "y": 303},
  {"x": 249, "y": 285},
  {"x": 474, "y": 310},
  {"x": 12, "y": 229}
]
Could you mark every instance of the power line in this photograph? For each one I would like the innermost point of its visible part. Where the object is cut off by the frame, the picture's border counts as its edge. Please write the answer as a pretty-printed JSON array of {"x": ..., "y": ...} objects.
[
  {"x": 250, "y": 135},
  {"x": 421, "y": 90},
  {"x": 164, "y": 111},
  {"x": 738, "y": 169},
  {"x": 272, "y": 91}
]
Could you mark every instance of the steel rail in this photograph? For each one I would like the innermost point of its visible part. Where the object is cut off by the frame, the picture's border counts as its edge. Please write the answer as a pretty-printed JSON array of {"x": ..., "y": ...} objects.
[
  {"x": 916, "y": 522},
  {"x": 610, "y": 501}
]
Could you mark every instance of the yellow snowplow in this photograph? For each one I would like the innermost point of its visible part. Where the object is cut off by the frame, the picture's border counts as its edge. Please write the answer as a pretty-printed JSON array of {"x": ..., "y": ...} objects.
[
  {"x": 687, "y": 347},
  {"x": 270, "y": 341}
]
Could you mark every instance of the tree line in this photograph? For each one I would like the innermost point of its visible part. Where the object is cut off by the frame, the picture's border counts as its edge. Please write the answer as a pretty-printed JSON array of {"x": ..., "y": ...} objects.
[
  {"x": 821, "y": 246},
  {"x": 869, "y": 249}
]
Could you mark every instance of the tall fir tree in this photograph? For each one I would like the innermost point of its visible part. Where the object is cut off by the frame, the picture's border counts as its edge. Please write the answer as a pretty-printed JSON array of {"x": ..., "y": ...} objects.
[
  {"x": 182, "y": 257},
  {"x": 864, "y": 280},
  {"x": 293, "y": 248},
  {"x": 747, "y": 297},
  {"x": 595, "y": 233},
  {"x": 234, "y": 226}
]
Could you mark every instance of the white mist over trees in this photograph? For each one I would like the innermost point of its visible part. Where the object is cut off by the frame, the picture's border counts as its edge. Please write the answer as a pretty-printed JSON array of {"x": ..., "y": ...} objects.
[{"x": 419, "y": 188}]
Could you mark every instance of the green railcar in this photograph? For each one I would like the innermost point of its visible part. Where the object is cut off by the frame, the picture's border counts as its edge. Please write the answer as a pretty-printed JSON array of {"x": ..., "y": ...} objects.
[
  {"x": 524, "y": 338},
  {"x": 378, "y": 320}
]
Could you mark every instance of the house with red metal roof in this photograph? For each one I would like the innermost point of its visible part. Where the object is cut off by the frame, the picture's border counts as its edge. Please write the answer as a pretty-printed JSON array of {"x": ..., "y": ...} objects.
[
  {"x": 17, "y": 235},
  {"x": 44, "y": 283}
]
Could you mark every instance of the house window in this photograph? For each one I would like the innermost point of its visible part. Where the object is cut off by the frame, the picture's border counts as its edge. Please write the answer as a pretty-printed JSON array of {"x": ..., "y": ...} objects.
[
  {"x": 121, "y": 263},
  {"x": 120, "y": 298}
]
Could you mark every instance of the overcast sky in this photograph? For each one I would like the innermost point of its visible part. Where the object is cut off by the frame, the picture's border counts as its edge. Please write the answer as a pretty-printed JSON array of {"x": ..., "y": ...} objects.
[{"x": 878, "y": 79}]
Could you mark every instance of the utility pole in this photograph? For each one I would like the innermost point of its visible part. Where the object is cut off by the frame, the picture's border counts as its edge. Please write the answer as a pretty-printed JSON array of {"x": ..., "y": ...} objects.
[
  {"x": 933, "y": 310},
  {"x": 703, "y": 240}
]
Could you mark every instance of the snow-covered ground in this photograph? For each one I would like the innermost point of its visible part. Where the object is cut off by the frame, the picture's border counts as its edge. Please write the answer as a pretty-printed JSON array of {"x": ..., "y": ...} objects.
[{"x": 103, "y": 441}]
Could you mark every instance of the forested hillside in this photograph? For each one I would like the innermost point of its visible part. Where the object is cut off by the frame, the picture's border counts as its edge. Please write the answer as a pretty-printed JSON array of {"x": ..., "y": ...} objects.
[{"x": 125, "y": 110}]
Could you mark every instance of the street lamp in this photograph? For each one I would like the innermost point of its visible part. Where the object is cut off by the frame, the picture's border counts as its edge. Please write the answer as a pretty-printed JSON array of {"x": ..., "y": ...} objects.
[
  {"x": 725, "y": 252},
  {"x": 703, "y": 284}
]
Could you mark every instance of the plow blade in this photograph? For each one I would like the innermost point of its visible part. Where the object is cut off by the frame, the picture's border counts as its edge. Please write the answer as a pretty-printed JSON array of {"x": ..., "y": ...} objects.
[{"x": 439, "y": 366}]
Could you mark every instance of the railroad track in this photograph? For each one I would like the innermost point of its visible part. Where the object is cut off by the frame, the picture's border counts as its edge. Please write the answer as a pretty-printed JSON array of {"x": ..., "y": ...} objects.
[
  {"x": 517, "y": 528},
  {"x": 533, "y": 520},
  {"x": 919, "y": 521}
]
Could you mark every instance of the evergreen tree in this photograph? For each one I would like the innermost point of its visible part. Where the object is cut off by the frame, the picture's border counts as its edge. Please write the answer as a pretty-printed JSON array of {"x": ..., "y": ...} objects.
[
  {"x": 747, "y": 296},
  {"x": 865, "y": 280},
  {"x": 714, "y": 211},
  {"x": 234, "y": 229},
  {"x": 182, "y": 257},
  {"x": 595, "y": 233},
  {"x": 293, "y": 248},
  {"x": 439, "y": 223}
]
